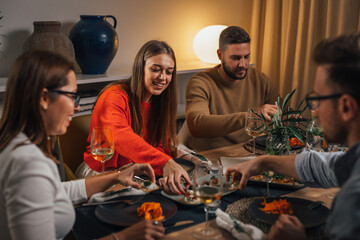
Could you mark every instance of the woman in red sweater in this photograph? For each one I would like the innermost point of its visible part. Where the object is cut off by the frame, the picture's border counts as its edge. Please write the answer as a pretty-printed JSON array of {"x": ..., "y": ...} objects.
[{"x": 141, "y": 112}]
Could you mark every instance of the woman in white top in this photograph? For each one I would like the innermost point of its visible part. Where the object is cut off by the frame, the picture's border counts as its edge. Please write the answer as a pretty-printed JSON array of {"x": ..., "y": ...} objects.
[{"x": 40, "y": 99}]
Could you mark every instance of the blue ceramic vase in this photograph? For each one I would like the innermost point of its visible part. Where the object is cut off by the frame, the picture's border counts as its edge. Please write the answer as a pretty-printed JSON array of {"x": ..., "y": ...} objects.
[{"x": 95, "y": 43}]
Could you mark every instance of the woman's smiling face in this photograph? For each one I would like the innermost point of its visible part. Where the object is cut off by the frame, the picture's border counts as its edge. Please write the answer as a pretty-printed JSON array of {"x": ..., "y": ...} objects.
[{"x": 158, "y": 74}]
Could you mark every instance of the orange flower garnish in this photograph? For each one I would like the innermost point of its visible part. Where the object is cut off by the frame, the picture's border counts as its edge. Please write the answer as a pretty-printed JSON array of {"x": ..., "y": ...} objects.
[
  {"x": 150, "y": 211},
  {"x": 281, "y": 206}
]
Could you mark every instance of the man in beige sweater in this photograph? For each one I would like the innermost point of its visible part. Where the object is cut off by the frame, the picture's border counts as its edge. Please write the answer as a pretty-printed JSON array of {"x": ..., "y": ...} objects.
[{"x": 217, "y": 99}]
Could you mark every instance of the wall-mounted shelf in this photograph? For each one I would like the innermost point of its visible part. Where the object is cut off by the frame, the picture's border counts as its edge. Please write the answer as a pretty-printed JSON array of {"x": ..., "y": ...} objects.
[
  {"x": 114, "y": 74},
  {"x": 90, "y": 85}
]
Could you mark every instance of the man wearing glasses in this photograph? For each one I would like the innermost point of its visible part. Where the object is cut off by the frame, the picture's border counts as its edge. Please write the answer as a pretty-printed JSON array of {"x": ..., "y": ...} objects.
[{"x": 336, "y": 101}]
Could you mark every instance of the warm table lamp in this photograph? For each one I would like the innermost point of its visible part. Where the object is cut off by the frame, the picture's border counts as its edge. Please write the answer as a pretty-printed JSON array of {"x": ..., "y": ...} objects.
[{"x": 206, "y": 42}]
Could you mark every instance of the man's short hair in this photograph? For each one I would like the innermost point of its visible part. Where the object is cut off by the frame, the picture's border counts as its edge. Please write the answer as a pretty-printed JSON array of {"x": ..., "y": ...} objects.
[
  {"x": 342, "y": 54},
  {"x": 233, "y": 34}
]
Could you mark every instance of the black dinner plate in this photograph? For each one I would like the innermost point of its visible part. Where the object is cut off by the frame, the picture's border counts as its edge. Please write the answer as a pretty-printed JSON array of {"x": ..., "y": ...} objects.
[
  {"x": 187, "y": 165},
  {"x": 276, "y": 185},
  {"x": 309, "y": 218},
  {"x": 119, "y": 215}
]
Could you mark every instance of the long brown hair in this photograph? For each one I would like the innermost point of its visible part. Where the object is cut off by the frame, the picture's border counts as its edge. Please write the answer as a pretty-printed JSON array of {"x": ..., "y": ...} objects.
[
  {"x": 164, "y": 106},
  {"x": 31, "y": 73}
]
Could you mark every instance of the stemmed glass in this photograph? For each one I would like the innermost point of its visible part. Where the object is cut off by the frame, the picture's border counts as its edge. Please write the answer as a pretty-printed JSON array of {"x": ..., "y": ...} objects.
[
  {"x": 208, "y": 187},
  {"x": 254, "y": 125},
  {"x": 102, "y": 145}
]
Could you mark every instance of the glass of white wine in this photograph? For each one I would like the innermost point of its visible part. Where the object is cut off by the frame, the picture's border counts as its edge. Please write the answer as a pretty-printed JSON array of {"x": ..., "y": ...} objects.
[
  {"x": 254, "y": 125},
  {"x": 208, "y": 187},
  {"x": 102, "y": 145}
]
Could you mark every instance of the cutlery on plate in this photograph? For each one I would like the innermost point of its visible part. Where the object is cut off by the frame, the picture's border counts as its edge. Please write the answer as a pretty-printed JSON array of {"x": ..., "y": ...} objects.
[
  {"x": 127, "y": 201},
  {"x": 140, "y": 178},
  {"x": 268, "y": 180},
  {"x": 146, "y": 180},
  {"x": 181, "y": 223}
]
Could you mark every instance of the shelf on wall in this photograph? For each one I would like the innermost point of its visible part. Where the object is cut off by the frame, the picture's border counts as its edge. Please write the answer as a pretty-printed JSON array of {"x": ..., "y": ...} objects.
[
  {"x": 114, "y": 74},
  {"x": 90, "y": 84}
]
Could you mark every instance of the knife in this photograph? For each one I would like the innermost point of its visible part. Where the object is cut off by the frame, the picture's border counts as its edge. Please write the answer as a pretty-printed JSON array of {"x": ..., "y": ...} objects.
[{"x": 130, "y": 201}]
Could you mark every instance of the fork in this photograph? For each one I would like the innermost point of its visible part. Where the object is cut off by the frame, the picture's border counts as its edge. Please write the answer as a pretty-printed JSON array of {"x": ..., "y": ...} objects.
[{"x": 268, "y": 180}]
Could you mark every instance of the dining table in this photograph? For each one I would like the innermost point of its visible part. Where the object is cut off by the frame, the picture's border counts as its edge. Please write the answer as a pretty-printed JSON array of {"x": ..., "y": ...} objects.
[{"x": 188, "y": 218}]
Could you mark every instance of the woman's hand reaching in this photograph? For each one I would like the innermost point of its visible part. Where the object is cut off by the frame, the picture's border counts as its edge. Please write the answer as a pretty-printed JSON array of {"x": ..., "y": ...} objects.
[{"x": 171, "y": 180}]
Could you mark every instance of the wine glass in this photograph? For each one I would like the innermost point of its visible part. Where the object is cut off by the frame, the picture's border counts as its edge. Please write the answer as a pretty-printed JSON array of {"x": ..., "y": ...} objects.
[
  {"x": 102, "y": 145},
  {"x": 208, "y": 187},
  {"x": 254, "y": 125}
]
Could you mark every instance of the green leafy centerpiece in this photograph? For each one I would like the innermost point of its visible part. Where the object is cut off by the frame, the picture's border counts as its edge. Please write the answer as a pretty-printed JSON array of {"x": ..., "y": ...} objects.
[{"x": 287, "y": 129}]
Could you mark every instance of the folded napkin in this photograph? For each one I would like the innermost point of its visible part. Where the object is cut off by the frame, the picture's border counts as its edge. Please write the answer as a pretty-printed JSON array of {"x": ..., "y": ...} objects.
[
  {"x": 105, "y": 196},
  {"x": 184, "y": 152},
  {"x": 238, "y": 229}
]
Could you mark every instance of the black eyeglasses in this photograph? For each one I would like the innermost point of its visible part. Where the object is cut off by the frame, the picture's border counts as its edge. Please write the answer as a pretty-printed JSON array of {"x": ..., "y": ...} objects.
[
  {"x": 76, "y": 96},
  {"x": 313, "y": 101}
]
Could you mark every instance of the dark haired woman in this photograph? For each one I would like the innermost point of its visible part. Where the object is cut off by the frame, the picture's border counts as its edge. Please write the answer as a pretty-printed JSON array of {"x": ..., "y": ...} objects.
[
  {"x": 141, "y": 112},
  {"x": 40, "y": 99}
]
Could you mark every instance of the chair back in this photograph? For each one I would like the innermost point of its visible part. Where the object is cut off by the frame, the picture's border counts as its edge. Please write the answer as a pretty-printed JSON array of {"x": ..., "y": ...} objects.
[
  {"x": 74, "y": 142},
  {"x": 183, "y": 135}
]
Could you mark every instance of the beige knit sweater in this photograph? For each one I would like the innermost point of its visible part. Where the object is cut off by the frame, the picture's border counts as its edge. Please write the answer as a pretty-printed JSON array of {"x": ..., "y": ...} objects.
[{"x": 216, "y": 109}]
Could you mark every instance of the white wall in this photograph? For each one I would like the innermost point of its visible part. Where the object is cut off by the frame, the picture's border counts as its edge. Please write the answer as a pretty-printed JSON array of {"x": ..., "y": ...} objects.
[{"x": 173, "y": 21}]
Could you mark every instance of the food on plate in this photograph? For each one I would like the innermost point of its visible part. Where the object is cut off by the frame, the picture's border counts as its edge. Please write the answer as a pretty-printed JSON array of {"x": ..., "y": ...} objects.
[
  {"x": 275, "y": 178},
  {"x": 146, "y": 185},
  {"x": 234, "y": 185},
  {"x": 150, "y": 211},
  {"x": 189, "y": 198},
  {"x": 213, "y": 181},
  {"x": 277, "y": 207},
  {"x": 149, "y": 186},
  {"x": 295, "y": 142}
]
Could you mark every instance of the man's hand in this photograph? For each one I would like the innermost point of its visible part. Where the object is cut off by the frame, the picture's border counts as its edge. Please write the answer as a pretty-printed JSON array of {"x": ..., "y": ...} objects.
[
  {"x": 268, "y": 110},
  {"x": 243, "y": 171},
  {"x": 171, "y": 180},
  {"x": 287, "y": 227}
]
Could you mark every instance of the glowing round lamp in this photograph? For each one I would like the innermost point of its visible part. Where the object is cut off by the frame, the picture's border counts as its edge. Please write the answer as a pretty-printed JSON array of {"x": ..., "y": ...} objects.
[{"x": 206, "y": 42}]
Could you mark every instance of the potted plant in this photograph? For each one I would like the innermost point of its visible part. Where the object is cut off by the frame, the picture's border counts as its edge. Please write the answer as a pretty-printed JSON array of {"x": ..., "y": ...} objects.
[{"x": 287, "y": 129}]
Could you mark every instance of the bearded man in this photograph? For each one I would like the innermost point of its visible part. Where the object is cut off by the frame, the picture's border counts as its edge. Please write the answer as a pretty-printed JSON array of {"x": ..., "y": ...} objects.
[{"x": 217, "y": 99}]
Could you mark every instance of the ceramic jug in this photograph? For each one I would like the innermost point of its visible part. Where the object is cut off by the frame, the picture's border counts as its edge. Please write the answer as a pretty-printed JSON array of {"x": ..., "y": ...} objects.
[
  {"x": 95, "y": 42},
  {"x": 47, "y": 35}
]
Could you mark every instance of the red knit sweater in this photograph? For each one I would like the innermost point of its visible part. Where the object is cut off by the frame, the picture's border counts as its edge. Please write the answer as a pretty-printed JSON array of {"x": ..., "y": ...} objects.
[{"x": 112, "y": 109}]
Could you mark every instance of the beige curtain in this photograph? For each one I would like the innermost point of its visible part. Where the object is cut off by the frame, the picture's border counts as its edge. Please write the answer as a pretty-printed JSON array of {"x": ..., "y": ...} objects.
[{"x": 285, "y": 32}]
